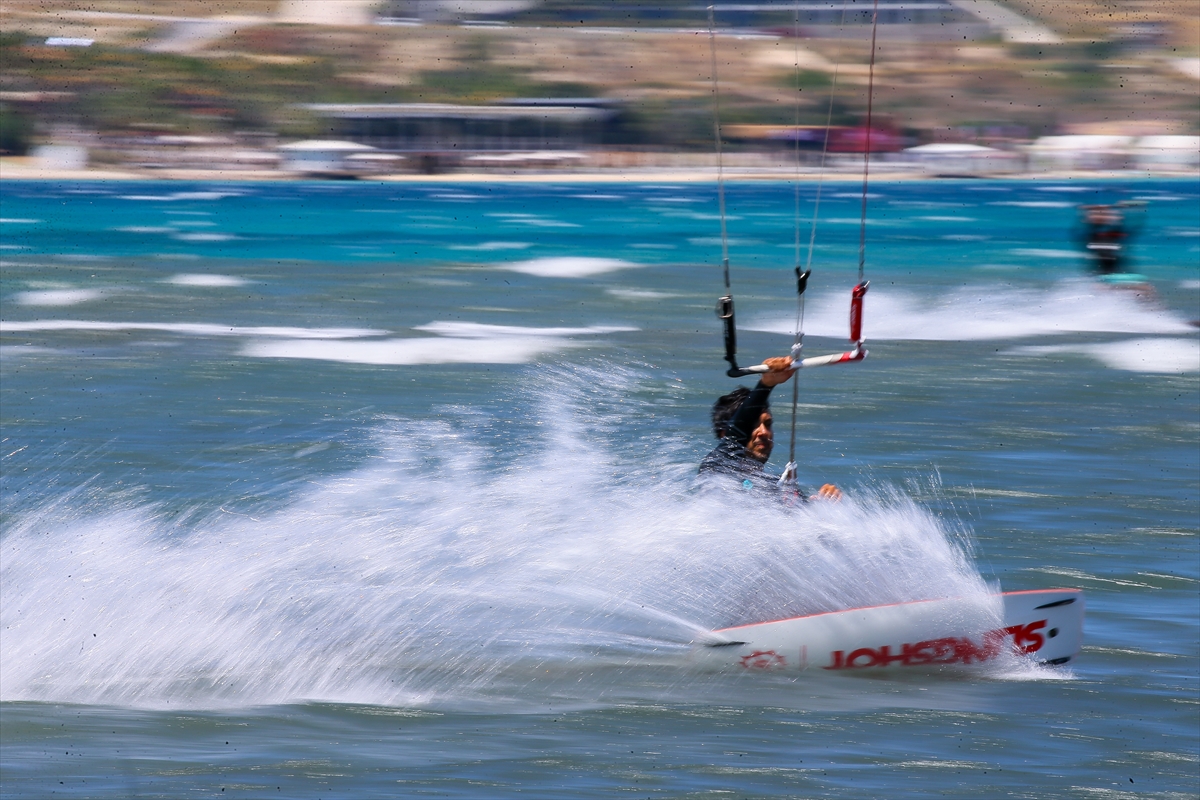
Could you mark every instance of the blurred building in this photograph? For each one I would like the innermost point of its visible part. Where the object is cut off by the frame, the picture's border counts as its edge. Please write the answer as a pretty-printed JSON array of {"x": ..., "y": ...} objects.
[
  {"x": 1113, "y": 152},
  {"x": 442, "y": 133},
  {"x": 451, "y": 10},
  {"x": 1167, "y": 153},
  {"x": 319, "y": 158},
  {"x": 949, "y": 159},
  {"x": 944, "y": 20},
  {"x": 815, "y": 138}
]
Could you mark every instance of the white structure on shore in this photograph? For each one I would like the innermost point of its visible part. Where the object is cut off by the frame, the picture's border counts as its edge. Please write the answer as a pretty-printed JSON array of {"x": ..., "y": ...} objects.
[
  {"x": 1112, "y": 152},
  {"x": 326, "y": 158},
  {"x": 963, "y": 159}
]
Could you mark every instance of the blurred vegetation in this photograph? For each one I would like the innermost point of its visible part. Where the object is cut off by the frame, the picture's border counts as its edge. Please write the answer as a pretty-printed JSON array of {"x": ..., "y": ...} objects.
[
  {"x": 16, "y": 131},
  {"x": 258, "y": 78},
  {"x": 804, "y": 79},
  {"x": 476, "y": 79},
  {"x": 114, "y": 90}
]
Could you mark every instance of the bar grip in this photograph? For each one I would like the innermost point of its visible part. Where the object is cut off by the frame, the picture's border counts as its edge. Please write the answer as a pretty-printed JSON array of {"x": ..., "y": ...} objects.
[{"x": 856, "y": 310}]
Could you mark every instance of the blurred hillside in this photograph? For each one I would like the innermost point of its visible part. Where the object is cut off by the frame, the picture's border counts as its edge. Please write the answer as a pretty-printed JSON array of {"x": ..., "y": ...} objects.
[{"x": 967, "y": 71}]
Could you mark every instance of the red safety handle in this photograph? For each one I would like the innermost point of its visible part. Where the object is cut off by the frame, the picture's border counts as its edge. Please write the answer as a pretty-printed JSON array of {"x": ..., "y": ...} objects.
[{"x": 856, "y": 311}]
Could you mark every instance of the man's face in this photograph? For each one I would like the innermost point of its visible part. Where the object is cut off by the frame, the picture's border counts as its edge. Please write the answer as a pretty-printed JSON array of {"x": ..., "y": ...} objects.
[{"x": 762, "y": 439}]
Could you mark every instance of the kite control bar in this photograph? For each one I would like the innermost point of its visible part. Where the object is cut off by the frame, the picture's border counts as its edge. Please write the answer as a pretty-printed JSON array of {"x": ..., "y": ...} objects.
[
  {"x": 725, "y": 312},
  {"x": 857, "y": 354}
]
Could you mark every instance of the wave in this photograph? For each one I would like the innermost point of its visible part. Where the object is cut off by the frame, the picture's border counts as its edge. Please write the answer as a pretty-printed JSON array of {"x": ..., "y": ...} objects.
[
  {"x": 56, "y": 297},
  {"x": 205, "y": 237},
  {"x": 987, "y": 312},
  {"x": 1162, "y": 355},
  {"x": 1034, "y": 203},
  {"x": 186, "y": 328},
  {"x": 444, "y": 572},
  {"x": 206, "y": 281},
  {"x": 455, "y": 343},
  {"x": 176, "y": 196},
  {"x": 568, "y": 267}
]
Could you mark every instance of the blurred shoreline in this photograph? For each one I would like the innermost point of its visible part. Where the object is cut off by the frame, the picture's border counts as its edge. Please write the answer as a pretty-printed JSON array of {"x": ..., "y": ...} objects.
[{"x": 23, "y": 169}]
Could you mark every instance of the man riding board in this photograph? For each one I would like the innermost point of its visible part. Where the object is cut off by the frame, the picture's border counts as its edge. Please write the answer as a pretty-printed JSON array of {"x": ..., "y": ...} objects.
[{"x": 742, "y": 423}]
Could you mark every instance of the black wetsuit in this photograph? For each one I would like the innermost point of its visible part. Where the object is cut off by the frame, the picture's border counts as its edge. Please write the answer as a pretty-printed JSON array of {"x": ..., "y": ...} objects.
[
  {"x": 730, "y": 458},
  {"x": 1105, "y": 242}
]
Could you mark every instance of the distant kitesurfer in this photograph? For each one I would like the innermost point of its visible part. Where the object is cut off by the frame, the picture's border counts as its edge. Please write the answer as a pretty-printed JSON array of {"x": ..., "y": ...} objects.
[
  {"x": 742, "y": 423},
  {"x": 1104, "y": 237}
]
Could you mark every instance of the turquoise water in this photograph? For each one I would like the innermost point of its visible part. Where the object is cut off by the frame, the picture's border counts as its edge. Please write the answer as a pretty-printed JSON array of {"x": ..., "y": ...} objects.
[{"x": 342, "y": 490}]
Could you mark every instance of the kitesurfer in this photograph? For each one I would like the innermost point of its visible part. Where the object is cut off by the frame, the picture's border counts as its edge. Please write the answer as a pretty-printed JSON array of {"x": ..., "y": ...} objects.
[
  {"x": 742, "y": 423},
  {"x": 1104, "y": 235}
]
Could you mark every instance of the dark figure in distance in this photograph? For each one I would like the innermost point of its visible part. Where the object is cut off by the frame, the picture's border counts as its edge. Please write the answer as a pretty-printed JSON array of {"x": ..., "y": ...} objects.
[{"x": 1104, "y": 236}]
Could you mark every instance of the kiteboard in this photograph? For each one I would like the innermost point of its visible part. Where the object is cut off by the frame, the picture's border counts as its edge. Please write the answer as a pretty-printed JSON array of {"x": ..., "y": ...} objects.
[
  {"x": 1124, "y": 279},
  {"x": 1130, "y": 282},
  {"x": 1044, "y": 625}
]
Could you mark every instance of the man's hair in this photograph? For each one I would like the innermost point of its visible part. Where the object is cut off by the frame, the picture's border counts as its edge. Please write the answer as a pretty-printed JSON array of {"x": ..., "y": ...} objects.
[{"x": 725, "y": 408}]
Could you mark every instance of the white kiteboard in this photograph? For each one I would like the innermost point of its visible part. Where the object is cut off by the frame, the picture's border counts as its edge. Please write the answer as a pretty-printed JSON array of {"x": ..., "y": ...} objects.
[{"x": 1045, "y": 625}]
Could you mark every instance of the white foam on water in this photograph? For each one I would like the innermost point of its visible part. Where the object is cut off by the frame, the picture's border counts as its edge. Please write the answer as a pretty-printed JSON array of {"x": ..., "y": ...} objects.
[
  {"x": 985, "y": 312},
  {"x": 639, "y": 294},
  {"x": 871, "y": 223},
  {"x": 1189, "y": 284},
  {"x": 414, "y": 351},
  {"x": 1045, "y": 252},
  {"x": 949, "y": 219},
  {"x": 18, "y": 221},
  {"x": 144, "y": 229},
  {"x": 479, "y": 330},
  {"x": 206, "y": 195},
  {"x": 455, "y": 343},
  {"x": 186, "y": 328},
  {"x": 206, "y": 281},
  {"x": 1160, "y": 355},
  {"x": 535, "y": 221},
  {"x": 713, "y": 241},
  {"x": 490, "y": 246},
  {"x": 1163, "y": 197},
  {"x": 702, "y": 216},
  {"x": 176, "y": 196},
  {"x": 1033, "y": 203},
  {"x": 548, "y": 223},
  {"x": 57, "y": 297},
  {"x": 204, "y": 237},
  {"x": 568, "y": 267},
  {"x": 676, "y": 198},
  {"x": 19, "y": 350},
  {"x": 428, "y": 577}
]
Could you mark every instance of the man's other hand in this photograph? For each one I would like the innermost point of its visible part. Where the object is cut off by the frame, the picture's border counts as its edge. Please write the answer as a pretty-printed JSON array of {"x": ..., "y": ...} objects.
[{"x": 830, "y": 492}]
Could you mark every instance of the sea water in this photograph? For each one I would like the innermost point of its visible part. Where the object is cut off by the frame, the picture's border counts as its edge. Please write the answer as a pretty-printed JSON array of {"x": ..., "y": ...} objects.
[{"x": 383, "y": 490}]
